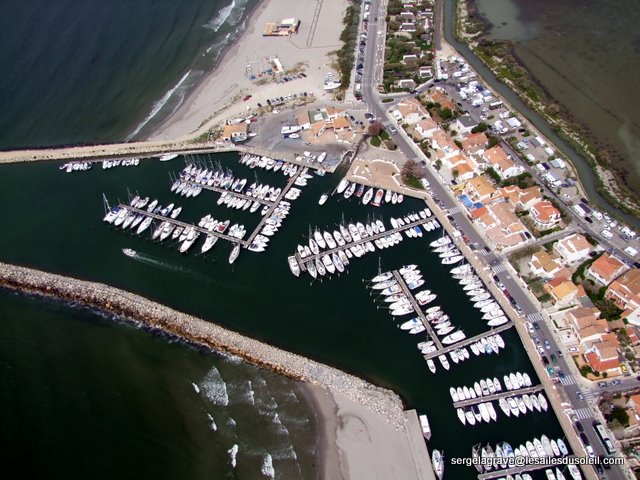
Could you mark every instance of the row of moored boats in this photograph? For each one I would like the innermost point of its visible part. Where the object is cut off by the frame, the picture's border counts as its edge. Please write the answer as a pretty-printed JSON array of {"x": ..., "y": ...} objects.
[
  {"x": 367, "y": 194},
  {"x": 353, "y": 240}
]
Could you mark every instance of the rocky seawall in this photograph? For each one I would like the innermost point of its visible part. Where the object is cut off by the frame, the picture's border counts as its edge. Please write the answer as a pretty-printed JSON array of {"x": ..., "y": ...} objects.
[{"x": 136, "y": 308}]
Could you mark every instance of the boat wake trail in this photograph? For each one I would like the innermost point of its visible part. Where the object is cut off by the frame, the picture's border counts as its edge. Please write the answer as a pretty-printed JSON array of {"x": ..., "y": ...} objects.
[{"x": 172, "y": 267}]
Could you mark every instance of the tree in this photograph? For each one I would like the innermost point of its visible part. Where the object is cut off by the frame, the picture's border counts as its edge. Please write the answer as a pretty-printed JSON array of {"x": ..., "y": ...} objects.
[
  {"x": 375, "y": 129},
  {"x": 481, "y": 127},
  {"x": 438, "y": 164},
  {"x": 619, "y": 414},
  {"x": 455, "y": 173},
  {"x": 413, "y": 169}
]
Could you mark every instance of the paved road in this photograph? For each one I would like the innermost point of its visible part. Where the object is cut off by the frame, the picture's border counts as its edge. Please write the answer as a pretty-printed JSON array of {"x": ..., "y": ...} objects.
[{"x": 568, "y": 390}]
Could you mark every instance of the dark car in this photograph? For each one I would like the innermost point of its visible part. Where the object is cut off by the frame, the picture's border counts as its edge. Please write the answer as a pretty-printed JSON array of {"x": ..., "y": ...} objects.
[
  {"x": 616, "y": 382},
  {"x": 579, "y": 427},
  {"x": 584, "y": 200},
  {"x": 545, "y": 360},
  {"x": 588, "y": 219},
  {"x": 536, "y": 326},
  {"x": 584, "y": 438}
]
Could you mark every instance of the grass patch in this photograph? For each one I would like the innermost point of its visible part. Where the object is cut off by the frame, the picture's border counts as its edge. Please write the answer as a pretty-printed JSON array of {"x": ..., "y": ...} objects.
[
  {"x": 387, "y": 100},
  {"x": 375, "y": 141},
  {"x": 413, "y": 182},
  {"x": 385, "y": 135}
]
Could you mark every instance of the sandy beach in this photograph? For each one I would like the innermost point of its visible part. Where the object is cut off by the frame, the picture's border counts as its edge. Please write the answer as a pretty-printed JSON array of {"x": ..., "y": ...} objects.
[
  {"x": 220, "y": 95},
  {"x": 355, "y": 443}
]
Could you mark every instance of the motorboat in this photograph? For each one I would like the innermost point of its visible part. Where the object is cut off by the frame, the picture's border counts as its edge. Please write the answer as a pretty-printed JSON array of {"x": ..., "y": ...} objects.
[
  {"x": 293, "y": 265},
  {"x": 426, "y": 428},
  {"x": 367, "y": 196},
  {"x": 234, "y": 253},
  {"x": 378, "y": 198},
  {"x": 323, "y": 199},
  {"x": 454, "y": 337},
  {"x": 437, "y": 460}
]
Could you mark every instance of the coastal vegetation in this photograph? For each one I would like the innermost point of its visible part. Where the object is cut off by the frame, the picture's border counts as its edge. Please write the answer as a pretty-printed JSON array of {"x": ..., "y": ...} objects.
[
  {"x": 500, "y": 58},
  {"x": 346, "y": 54}
]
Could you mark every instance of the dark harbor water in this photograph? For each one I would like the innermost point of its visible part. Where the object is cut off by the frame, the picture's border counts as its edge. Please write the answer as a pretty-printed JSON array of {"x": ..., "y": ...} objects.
[
  {"x": 83, "y": 396},
  {"x": 56, "y": 224},
  {"x": 76, "y": 71},
  {"x": 585, "y": 54}
]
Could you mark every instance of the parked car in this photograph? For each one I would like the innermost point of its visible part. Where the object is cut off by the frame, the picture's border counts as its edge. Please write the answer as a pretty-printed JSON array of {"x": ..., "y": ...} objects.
[{"x": 616, "y": 382}]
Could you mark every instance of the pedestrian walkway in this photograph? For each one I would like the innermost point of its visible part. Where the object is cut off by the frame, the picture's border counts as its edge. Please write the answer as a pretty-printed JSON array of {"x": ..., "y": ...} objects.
[
  {"x": 568, "y": 380},
  {"x": 455, "y": 209},
  {"x": 591, "y": 395},
  {"x": 535, "y": 317},
  {"x": 499, "y": 268},
  {"x": 583, "y": 413}
]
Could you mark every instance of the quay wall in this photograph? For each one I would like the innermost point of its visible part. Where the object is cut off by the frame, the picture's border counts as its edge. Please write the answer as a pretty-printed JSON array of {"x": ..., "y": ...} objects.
[{"x": 134, "y": 307}]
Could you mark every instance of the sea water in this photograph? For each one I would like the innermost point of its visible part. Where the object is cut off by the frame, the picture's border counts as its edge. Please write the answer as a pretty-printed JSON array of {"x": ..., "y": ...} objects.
[
  {"x": 56, "y": 224},
  {"x": 83, "y": 71}
]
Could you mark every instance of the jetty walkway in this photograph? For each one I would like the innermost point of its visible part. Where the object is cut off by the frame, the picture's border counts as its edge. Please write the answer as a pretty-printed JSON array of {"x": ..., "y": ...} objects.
[
  {"x": 468, "y": 341},
  {"x": 97, "y": 153},
  {"x": 379, "y": 400},
  {"x": 417, "y": 309},
  {"x": 303, "y": 261},
  {"x": 498, "y": 396}
]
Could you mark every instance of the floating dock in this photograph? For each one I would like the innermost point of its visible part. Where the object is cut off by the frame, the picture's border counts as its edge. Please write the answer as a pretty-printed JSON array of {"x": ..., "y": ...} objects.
[
  {"x": 418, "y": 309},
  {"x": 213, "y": 188},
  {"x": 498, "y": 396},
  {"x": 302, "y": 261},
  {"x": 468, "y": 341},
  {"x": 173, "y": 221},
  {"x": 512, "y": 471}
]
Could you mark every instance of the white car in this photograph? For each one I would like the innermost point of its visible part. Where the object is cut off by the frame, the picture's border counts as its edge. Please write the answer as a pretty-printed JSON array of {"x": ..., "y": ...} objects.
[{"x": 589, "y": 450}]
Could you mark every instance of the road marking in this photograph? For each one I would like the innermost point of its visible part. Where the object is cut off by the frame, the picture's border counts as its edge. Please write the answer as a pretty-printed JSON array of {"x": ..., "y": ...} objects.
[
  {"x": 454, "y": 210},
  {"x": 583, "y": 413},
  {"x": 499, "y": 268},
  {"x": 535, "y": 317},
  {"x": 568, "y": 380}
]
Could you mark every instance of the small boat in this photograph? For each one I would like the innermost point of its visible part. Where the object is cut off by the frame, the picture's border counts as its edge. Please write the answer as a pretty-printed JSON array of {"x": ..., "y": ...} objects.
[
  {"x": 342, "y": 186},
  {"x": 129, "y": 252},
  {"x": 431, "y": 365},
  {"x": 562, "y": 447},
  {"x": 323, "y": 199},
  {"x": 293, "y": 265},
  {"x": 426, "y": 428},
  {"x": 574, "y": 472},
  {"x": 234, "y": 253},
  {"x": 367, "y": 196},
  {"x": 444, "y": 362},
  {"x": 437, "y": 459},
  {"x": 378, "y": 198},
  {"x": 168, "y": 156}
]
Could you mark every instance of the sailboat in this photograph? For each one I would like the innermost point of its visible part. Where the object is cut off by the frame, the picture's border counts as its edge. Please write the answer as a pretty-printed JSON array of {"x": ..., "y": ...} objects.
[{"x": 234, "y": 253}]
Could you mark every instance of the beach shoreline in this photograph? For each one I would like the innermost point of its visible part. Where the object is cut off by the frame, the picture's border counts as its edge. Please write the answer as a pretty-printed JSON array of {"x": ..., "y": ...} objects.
[
  {"x": 241, "y": 80},
  {"x": 224, "y": 58}
]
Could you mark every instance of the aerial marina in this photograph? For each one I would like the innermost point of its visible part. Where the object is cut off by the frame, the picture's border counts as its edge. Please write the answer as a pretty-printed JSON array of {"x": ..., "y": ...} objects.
[{"x": 406, "y": 292}]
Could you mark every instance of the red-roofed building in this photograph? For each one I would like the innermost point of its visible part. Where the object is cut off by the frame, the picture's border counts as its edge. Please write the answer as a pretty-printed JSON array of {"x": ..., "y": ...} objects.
[
  {"x": 606, "y": 269},
  {"x": 603, "y": 356},
  {"x": 544, "y": 214},
  {"x": 501, "y": 162},
  {"x": 625, "y": 290}
]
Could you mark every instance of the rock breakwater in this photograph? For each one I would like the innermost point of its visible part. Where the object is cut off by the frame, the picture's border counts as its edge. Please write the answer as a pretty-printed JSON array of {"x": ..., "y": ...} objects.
[{"x": 134, "y": 307}]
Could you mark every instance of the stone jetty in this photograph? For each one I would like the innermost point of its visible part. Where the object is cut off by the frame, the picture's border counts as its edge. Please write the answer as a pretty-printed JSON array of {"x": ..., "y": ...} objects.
[{"x": 200, "y": 332}]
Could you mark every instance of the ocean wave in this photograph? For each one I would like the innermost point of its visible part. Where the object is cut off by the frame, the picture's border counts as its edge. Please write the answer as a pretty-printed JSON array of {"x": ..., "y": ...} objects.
[
  {"x": 267, "y": 467},
  {"x": 214, "y": 427},
  {"x": 158, "y": 106},
  {"x": 215, "y": 389},
  {"x": 241, "y": 392},
  {"x": 222, "y": 17},
  {"x": 233, "y": 451}
]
